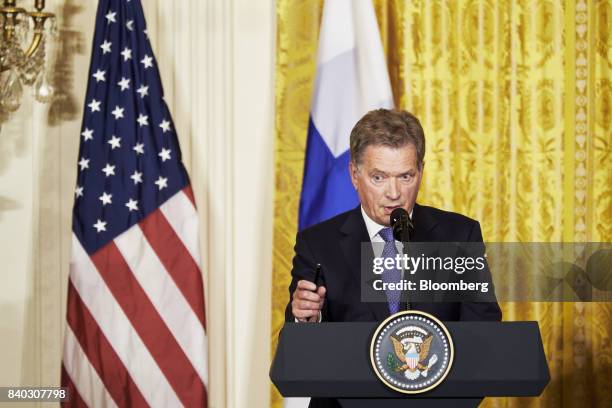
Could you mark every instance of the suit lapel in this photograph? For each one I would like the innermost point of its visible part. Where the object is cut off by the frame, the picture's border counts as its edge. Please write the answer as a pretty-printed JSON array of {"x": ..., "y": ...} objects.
[
  {"x": 354, "y": 233},
  {"x": 423, "y": 223}
]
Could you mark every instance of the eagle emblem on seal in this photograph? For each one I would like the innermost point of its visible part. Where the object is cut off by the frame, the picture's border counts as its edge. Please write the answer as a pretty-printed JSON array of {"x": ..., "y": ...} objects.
[{"x": 411, "y": 345}]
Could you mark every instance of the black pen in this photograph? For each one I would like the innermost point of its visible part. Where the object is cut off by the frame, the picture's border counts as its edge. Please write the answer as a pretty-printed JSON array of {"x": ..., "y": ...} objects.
[{"x": 317, "y": 273}]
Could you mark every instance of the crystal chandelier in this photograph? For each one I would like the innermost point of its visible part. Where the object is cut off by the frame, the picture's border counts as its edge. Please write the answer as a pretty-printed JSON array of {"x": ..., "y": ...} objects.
[{"x": 22, "y": 53}]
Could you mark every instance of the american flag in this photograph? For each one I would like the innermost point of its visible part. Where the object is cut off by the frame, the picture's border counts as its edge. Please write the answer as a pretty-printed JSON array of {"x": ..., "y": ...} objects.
[{"x": 136, "y": 323}]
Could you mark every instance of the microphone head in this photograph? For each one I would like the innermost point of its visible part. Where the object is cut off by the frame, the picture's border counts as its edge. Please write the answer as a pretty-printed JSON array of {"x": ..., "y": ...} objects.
[
  {"x": 401, "y": 224},
  {"x": 397, "y": 215}
]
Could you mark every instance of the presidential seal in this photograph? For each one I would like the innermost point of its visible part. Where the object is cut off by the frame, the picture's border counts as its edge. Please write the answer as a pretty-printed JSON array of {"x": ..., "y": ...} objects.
[{"x": 411, "y": 352}]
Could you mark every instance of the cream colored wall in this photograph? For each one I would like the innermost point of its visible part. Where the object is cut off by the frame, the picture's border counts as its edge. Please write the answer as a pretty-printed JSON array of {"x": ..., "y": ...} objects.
[{"x": 216, "y": 61}]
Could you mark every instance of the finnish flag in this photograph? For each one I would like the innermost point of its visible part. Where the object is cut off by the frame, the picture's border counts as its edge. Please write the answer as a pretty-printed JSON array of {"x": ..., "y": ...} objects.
[{"x": 351, "y": 80}]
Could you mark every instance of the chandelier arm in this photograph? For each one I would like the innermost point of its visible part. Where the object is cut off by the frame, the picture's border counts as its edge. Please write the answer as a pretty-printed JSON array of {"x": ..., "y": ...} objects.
[
  {"x": 36, "y": 40},
  {"x": 39, "y": 23}
]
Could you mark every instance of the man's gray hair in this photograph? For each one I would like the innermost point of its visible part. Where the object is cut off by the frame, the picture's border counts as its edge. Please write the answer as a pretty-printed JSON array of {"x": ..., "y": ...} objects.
[{"x": 384, "y": 127}]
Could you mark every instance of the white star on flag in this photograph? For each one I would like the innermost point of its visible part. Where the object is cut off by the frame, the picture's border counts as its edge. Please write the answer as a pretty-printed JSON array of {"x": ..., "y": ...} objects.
[
  {"x": 139, "y": 148},
  {"x": 117, "y": 112},
  {"x": 106, "y": 198},
  {"x": 147, "y": 62},
  {"x": 106, "y": 47},
  {"x": 165, "y": 125},
  {"x": 78, "y": 192},
  {"x": 127, "y": 54},
  {"x": 100, "y": 75},
  {"x": 143, "y": 120},
  {"x": 164, "y": 154},
  {"x": 84, "y": 163},
  {"x": 130, "y": 25},
  {"x": 108, "y": 170},
  {"x": 100, "y": 225},
  {"x": 94, "y": 106},
  {"x": 161, "y": 182},
  {"x": 115, "y": 142},
  {"x": 124, "y": 83},
  {"x": 136, "y": 177},
  {"x": 111, "y": 17},
  {"x": 143, "y": 91},
  {"x": 87, "y": 134},
  {"x": 132, "y": 205}
]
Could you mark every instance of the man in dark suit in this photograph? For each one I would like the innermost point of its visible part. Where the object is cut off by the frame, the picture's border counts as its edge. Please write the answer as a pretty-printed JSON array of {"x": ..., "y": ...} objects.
[
  {"x": 336, "y": 244},
  {"x": 387, "y": 149}
]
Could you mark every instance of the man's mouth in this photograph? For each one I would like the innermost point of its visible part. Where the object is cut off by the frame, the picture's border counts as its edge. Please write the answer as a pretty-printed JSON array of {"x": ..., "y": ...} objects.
[{"x": 389, "y": 208}]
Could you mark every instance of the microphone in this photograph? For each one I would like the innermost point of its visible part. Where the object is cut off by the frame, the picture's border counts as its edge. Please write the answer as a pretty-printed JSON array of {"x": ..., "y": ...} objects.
[{"x": 401, "y": 224}]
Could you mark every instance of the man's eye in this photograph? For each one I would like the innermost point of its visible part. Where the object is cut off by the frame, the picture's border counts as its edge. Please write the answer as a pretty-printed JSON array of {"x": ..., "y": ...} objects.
[
  {"x": 406, "y": 177},
  {"x": 377, "y": 178}
]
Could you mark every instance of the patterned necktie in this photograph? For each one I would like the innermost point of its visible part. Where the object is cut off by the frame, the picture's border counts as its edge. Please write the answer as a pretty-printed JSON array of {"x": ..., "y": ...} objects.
[{"x": 392, "y": 275}]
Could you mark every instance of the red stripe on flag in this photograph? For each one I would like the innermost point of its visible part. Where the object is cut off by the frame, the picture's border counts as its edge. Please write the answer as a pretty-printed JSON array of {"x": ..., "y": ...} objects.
[
  {"x": 150, "y": 327},
  {"x": 176, "y": 259},
  {"x": 101, "y": 354},
  {"x": 74, "y": 398},
  {"x": 189, "y": 193}
]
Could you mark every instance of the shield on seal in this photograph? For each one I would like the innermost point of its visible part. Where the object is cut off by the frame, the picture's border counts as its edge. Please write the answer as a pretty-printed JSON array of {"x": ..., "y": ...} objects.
[{"x": 412, "y": 359}]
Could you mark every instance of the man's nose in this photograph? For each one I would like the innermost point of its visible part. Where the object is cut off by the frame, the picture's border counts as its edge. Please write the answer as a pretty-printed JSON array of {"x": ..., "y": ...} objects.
[{"x": 393, "y": 191}]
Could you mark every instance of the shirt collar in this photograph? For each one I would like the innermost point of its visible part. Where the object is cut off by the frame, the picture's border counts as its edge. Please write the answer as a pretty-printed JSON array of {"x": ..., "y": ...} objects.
[{"x": 372, "y": 226}]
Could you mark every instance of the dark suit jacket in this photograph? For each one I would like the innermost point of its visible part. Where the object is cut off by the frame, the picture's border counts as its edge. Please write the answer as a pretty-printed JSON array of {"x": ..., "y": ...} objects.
[{"x": 336, "y": 245}]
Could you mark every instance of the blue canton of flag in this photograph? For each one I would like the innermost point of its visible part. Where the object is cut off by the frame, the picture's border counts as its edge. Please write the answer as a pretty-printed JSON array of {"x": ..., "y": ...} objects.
[{"x": 129, "y": 158}]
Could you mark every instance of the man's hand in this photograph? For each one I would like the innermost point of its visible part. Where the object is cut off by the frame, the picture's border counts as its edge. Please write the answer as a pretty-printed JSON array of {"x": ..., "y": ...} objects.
[{"x": 307, "y": 301}]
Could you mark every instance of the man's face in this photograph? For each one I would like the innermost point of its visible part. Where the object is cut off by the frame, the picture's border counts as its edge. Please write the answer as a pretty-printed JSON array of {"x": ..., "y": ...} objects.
[{"x": 386, "y": 179}]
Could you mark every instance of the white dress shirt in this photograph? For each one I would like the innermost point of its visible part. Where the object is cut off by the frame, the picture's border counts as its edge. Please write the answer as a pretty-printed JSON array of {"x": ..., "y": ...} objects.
[{"x": 374, "y": 233}]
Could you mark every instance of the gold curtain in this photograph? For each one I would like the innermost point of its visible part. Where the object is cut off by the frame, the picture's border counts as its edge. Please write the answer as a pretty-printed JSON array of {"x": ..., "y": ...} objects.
[{"x": 515, "y": 99}]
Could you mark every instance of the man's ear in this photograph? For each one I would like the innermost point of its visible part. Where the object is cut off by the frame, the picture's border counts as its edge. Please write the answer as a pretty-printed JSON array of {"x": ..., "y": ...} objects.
[
  {"x": 353, "y": 170},
  {"x": 421, "y": 174}
]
